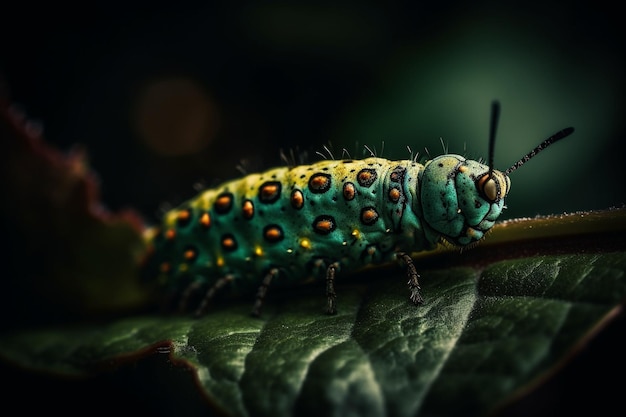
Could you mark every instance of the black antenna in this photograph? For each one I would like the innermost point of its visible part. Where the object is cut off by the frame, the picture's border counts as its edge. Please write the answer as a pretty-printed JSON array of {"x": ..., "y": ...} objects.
[
  {"x": 495, "y": 115},
  {"x": 552, "y": 139}
]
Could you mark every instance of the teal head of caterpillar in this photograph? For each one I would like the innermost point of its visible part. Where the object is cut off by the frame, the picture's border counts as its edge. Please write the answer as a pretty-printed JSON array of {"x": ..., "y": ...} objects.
[
  {"x": 208, "y": 243},
  {"x": 462, "y": 198}
]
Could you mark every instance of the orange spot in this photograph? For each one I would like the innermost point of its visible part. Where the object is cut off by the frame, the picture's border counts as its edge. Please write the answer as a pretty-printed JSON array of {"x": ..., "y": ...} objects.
[
  {"x": 366, "y": 177},
  {"x": 369, "y": 216},
  {"x": 190, "y": 254},
  {"x": 324, "y": 225},
  {"x": 223, "y": 203},
  {"x": 184, "y": 215},
  {"x": 394, "y": 194},
  {"x": 229, "y": 243},
  {"x": 165, "y": 267},
  {"x": 205, "y": 220},
  {"x": 319, "y": 183},
  {"x": 273, "y": 233},
  {"x": 248, "y": 209},
  {"x": 297, "y": 199},
  {"x": 269, "y": 192},
  {"x": 349, "y": 191},
  {"x": 170, "y": 234}
]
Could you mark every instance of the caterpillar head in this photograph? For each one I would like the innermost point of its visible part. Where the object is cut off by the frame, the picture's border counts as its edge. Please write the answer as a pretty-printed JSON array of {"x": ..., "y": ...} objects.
[{"x": 462, "y": 199}]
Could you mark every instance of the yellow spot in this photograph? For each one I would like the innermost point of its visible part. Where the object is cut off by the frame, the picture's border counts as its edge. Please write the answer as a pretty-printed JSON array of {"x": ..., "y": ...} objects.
[
  {"x": 356, "y": 233},
  {"x": 203, "y": 204},
  {"x": 220, "y": 262},
  {"x": 305, "y": 243},
  {"x": 183, "y": 267},
  {"x": 258, "y": 251},
  {"x": 289, "y": 250},
  {"x": 462, "y": 168}
]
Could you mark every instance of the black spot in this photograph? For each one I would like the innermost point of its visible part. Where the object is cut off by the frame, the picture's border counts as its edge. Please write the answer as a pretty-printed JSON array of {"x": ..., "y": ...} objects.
[
  {"x": 229, "y": 243},
  {"x": 349, "y": 191},
  {"x": 184, "y": 217},
  {"x": 269, "y": 192},
  {"x": 369, "y": 216},
  {"x": 319, "y": 183},
  {"x": 366, "y": 177},
  {"x": 190, "y": 253},
  {"x": 397, "y": 174},
  {"x": 273, "y": 233},
  {"x": 247, "y": 208},
  {"x": 297, "y": 199},
  {"x": 324, "y": 224},
  {"x": 223, "y": 203}
]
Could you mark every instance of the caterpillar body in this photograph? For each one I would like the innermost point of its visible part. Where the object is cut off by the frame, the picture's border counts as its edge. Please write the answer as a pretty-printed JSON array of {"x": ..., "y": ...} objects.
[{"x": 333, "y": 216}]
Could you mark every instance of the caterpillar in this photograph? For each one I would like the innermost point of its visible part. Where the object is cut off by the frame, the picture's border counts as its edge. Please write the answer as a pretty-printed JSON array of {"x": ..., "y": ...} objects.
[{"x": 290, "y": 224}]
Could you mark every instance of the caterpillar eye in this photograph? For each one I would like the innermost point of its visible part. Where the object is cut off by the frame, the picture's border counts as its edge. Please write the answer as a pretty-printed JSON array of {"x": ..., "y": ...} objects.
[{"x": 488, "y": 187}]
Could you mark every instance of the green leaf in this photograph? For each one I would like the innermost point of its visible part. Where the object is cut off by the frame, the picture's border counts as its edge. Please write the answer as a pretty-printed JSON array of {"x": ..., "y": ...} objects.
[{"x": 483, "y": 334}]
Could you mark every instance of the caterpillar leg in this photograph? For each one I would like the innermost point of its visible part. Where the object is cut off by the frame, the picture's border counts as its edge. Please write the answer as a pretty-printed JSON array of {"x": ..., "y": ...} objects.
[
  {"x": 331, "y": 295},
  {"x": 186, "y": 295},
  {"x": 211, "y": 292},
  {"x": 262, "y": 292},
  {"x": 414, "y": 286}
]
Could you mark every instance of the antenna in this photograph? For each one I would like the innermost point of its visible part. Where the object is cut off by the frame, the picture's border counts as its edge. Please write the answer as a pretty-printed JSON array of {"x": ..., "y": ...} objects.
[
  {"x": 495, "y": 116},
  {"x": 543, "y": 145}
]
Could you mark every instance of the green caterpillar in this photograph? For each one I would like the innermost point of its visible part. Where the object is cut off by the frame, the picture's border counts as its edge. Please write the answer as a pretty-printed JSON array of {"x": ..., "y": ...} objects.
[{"x": 292, "y": 223}]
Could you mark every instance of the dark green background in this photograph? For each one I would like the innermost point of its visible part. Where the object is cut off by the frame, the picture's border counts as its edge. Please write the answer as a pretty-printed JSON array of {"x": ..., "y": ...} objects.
[{"x": 301, "y": 74}]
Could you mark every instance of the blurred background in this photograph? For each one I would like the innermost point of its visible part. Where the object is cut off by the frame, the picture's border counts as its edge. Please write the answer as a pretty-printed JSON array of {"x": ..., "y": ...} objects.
[{"x": 168, "y": 98}]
